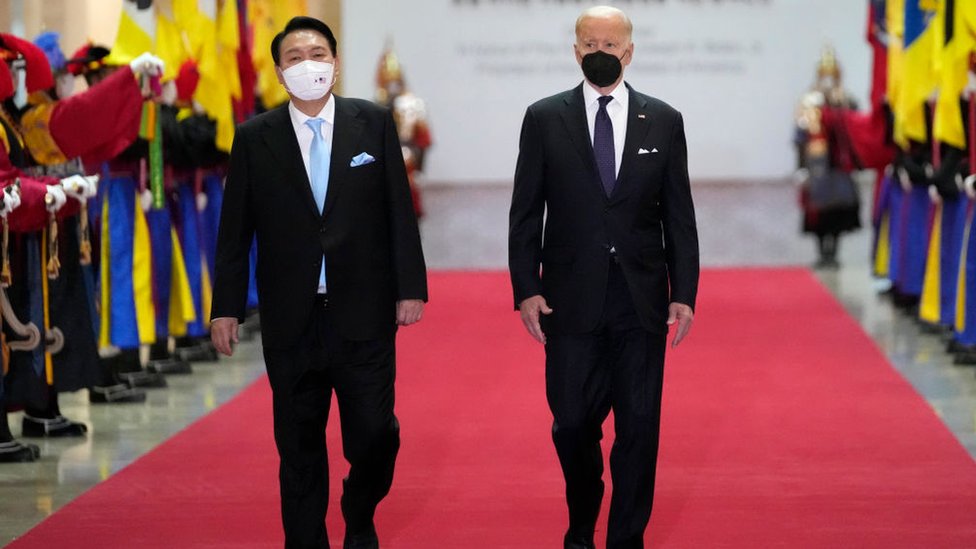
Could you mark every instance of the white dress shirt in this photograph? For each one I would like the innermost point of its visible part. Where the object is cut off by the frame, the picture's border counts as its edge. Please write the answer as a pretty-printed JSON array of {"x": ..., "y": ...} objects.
[
  {"x": 304, "y": 133},
  {"x": 617, "y": 109},
  {"x": 305, "y": 136}
]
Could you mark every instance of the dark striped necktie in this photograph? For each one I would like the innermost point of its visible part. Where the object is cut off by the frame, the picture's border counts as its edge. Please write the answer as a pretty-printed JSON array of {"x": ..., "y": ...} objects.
[{"x": 603, "y": 146}]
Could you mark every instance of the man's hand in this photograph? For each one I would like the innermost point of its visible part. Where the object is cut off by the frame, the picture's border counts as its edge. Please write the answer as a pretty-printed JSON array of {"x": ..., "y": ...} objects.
[
  {"x": 409, "y": 311},
  {"x": 530, "y": 308},
  {"x": 223, "y": 332},
  {"x": 682, "y": 315}
]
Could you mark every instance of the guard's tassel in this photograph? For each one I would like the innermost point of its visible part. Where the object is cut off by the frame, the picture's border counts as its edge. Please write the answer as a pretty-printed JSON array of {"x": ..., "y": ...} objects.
[
  {"x": 84, "y": 241},
  {"x": 6, "y": 279},
  {"x": 5, "y": 349},
  {"x": 156, "y": 184},
  {"x": 53, "y": 264}
]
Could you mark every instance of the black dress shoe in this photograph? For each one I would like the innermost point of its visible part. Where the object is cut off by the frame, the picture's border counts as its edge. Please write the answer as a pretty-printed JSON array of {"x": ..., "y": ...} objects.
[
  {"x": 575, "y": 541},
  {"x": 143, "y": 380},
  {"x": 59, "y": 426},
  {"x": 362, "y": 540},
  {"x": 197, "y": 353},
  {"x": 965, "y": 358},
  {"x": 16, "y": 452},
  {"x": 928, "y": 328},
  {"x": 169, "y": 366},
  {"x": 112, "y": 394}
]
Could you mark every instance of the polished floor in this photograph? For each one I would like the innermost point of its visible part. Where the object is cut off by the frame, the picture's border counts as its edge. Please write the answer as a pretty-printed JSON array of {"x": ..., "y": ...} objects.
[{"x": 740, "y": 224}]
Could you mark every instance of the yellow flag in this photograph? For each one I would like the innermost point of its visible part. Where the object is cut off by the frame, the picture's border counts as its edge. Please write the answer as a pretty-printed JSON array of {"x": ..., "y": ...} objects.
[
  {"x": 198, "y": 19},
  {"x": 953, "y": 73},
  {"x": 136, "y": 35},
  {"x": 172, "y": 44},
  {"x": 895, "y": 23},
  {"x": 228, "y": 42},
  {"x": 918, "y": 79},
  {"x": 268, "y": 18}
]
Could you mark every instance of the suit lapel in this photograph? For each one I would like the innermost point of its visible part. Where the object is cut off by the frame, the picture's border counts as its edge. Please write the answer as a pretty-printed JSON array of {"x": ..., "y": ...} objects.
[
  {"x": 574, "y": 116},
  {"x": 638, "y": 124},
  {"x": 281, "y": 139},
  {"x": 345, "y": 138}
]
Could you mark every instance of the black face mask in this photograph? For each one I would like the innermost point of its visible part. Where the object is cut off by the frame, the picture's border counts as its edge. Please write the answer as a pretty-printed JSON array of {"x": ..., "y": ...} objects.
[{"x": 601, "y": 68}]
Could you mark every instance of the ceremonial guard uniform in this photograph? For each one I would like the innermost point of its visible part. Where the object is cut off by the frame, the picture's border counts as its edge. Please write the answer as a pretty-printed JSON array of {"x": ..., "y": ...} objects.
[
  {"x": 126, "y": 300},
  {"x": 826, "y": 157},
  {"x": 410, "y": 115}
]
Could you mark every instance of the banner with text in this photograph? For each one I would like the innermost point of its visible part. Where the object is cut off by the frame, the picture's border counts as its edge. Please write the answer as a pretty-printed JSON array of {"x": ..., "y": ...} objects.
[{"x": 735, "y": 68}]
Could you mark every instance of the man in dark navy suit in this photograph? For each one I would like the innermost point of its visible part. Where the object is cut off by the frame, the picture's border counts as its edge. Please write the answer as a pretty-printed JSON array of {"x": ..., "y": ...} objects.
[
  {"x": 603, "y": 254},
  {"x": 322, "y": 185}
]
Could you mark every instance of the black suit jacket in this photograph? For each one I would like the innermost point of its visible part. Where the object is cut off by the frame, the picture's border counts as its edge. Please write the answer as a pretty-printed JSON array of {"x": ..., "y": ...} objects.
[
  {"x": 562, "y": 220},
  {"x": 367, "y": 230}
]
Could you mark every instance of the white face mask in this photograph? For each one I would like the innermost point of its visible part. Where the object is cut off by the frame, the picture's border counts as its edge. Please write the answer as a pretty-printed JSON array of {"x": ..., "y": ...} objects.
[{"x": 309, "y": 80}]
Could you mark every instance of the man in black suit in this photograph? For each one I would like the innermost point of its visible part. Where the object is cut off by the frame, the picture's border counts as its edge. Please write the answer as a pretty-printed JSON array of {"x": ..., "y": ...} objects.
[
  {"x": 321, "y": 183},
  {"x": 603, "y": 205}
]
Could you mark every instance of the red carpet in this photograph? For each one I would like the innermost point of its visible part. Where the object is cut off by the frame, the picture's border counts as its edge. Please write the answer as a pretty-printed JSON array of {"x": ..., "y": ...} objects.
[{"x": 784, "y": 427}]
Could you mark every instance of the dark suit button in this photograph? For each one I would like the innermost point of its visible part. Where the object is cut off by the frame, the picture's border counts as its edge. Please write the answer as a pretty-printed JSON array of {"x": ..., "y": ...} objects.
[{"x": 322, "y": 230}]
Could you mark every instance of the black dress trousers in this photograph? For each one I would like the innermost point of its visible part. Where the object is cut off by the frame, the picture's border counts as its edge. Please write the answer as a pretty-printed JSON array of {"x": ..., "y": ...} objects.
[
  {"x": 618, "y": 366},
  {"x": 303, "y": 378}
]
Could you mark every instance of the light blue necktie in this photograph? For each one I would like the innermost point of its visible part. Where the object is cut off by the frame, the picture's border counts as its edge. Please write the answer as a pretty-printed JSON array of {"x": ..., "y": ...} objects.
[{"x": 318, "y": 168}]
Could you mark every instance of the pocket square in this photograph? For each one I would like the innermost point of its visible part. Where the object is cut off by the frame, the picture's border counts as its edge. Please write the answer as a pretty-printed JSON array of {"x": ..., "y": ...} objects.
[
  {"x": 644, "y": 151},
  {"x": 361, "y": 159}
]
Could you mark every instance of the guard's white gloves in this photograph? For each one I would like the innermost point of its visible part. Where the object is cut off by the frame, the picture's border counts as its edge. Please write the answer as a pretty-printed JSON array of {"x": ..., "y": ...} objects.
[
  {"x": 55, "y": 198},
  {"x": 10, "y": 200},
  {"x": 970, "y": 185},
  {"x": 147, "y": 64},
  {"x": 80, "y": 187}
]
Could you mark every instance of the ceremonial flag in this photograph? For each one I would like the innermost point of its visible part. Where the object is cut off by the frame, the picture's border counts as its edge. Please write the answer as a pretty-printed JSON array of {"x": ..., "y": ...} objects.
[
  {"x": 214, "y": 92},
  {"x": 244, "y": 106},
  {"x": 267, "y": 18},
  {"x": 895, "y": 23},
  {"x": 172, "y": 42},
  {"x": 228, "y": 42},
  {"x": 869, "y": 131},
  {"x": 953, "y": 73},
  {"x": 137, "y": 32},
  {"x": 877, "y": 36},
  {"x": 918, "y": 71}
]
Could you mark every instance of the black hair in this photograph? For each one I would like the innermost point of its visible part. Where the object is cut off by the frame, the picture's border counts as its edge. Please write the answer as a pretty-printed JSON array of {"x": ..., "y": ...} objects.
[{"x": 298, "y": 23}]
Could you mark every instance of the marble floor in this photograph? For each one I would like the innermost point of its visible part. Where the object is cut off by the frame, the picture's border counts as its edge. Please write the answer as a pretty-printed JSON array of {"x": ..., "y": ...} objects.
[{"x": 740, "y": 224}]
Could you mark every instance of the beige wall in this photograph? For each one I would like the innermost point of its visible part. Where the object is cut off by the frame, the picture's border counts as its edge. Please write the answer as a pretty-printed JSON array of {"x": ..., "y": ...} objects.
[
  {"x": 76, "y": 20},
  {"x": 329, "y": 11}
]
